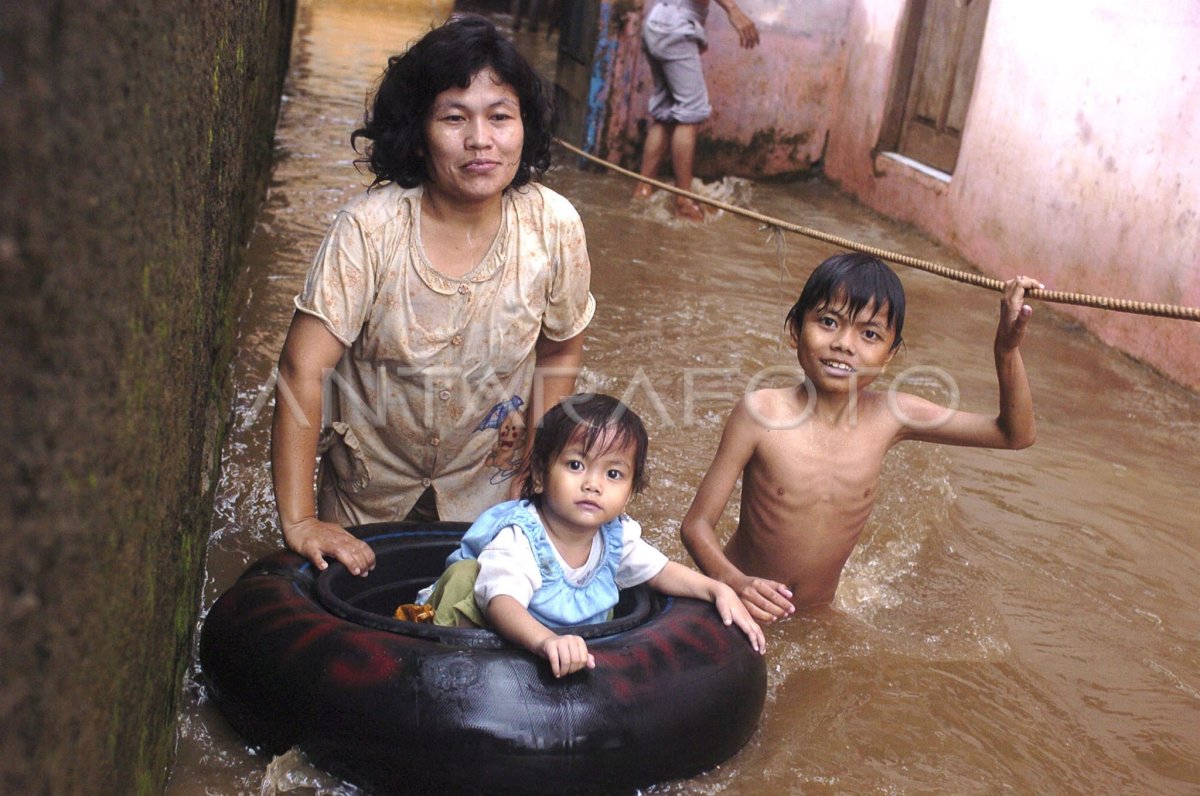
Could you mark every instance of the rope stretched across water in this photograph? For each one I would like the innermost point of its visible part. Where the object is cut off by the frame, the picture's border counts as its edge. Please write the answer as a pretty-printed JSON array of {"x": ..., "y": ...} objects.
[{"x": 1056, "y": 296}]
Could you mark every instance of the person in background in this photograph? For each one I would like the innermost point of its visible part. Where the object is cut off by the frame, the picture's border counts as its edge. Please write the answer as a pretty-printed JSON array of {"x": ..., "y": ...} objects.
[
  {"x": 438, "y": 297},
  {"x": 674, "y": 39}
]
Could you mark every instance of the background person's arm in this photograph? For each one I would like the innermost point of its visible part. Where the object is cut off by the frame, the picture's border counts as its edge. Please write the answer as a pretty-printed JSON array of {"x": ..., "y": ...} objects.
[{"x": 747, "y": 31}]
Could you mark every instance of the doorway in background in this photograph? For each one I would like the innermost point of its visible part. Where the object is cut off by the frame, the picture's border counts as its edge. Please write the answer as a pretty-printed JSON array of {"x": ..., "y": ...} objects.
[{"x": 935, "y": 74}]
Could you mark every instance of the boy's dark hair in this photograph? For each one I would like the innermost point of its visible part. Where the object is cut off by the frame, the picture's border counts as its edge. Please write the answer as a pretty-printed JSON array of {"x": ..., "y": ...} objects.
[
  {"x": 446, "y": 57},
  {"x": 858, "y": 281},
  {"x": 592, "y": 415}
]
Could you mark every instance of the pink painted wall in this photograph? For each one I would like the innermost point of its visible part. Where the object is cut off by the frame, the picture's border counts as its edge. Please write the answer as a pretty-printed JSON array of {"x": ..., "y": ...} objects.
[
  {"x": 770, "y": 104},
  {"x": 1079, "y": 160}
]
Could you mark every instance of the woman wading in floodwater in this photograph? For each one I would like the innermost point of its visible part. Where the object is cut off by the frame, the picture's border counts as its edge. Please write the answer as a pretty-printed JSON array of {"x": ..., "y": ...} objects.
[{"x": 436, "y": 297}]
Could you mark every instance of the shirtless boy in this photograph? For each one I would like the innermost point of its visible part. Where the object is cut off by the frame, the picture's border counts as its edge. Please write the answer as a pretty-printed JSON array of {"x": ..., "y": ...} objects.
[{"x": 810, "y": 456}]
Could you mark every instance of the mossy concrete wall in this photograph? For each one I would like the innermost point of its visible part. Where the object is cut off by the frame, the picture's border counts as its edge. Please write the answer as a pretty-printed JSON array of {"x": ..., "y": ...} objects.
[{"x": 135, "y": 140}]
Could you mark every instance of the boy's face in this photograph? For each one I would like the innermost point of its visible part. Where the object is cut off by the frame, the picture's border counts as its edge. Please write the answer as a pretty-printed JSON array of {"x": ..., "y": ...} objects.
[{"x": 840, "y": 353}]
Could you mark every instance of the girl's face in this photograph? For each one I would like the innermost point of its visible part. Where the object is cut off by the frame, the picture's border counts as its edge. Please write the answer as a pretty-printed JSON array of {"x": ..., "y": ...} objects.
[
  {"x": 586, "y": 488},
  {"x": 473, "y": 140}
]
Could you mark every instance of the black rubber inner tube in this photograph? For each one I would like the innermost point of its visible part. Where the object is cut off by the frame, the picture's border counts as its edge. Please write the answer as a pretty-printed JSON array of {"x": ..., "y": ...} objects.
[{"x": 297, "y": 657}]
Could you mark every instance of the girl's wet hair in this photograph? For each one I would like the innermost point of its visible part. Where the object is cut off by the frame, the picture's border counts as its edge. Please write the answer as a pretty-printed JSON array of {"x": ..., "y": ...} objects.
[
  {"x": 594, "y": 418},
  {"x": 853, "y": 281},
  {"x": 449, "y": 56}
]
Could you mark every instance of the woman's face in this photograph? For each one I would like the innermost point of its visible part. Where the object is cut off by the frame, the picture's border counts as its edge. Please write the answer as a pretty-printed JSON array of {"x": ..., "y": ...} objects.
[{"x": 473, "y": 140}]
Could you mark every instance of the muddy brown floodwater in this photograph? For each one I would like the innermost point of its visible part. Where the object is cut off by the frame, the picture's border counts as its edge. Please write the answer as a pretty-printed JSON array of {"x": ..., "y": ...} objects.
[{"x": 1011, "y": 622}]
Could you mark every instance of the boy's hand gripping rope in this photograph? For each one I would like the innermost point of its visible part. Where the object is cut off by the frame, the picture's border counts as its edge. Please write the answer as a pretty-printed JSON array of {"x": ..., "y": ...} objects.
[{"x": 1056, "y": 296}]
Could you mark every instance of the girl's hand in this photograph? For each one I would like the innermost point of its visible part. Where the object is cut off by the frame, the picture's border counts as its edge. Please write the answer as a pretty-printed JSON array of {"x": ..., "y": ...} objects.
[
  {"x": 732, "y": 612},
  {"x": 766, "y": 600},
  {"x": 567, "y": 654}
]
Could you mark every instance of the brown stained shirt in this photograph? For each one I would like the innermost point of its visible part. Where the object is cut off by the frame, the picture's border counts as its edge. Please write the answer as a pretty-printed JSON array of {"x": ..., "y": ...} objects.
[{"x": 438, "y": 370}]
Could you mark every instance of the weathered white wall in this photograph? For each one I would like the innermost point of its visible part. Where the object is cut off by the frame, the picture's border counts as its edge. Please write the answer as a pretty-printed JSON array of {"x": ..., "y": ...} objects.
[{"x": 1079, "y": 158}]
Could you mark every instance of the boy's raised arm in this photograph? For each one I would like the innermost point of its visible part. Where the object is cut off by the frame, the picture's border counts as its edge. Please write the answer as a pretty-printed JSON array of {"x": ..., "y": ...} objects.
[
  {"x": 1014, "y": 426},
  {"x": 766, "y": 600},
  {"x": 1016, "y": 401}
]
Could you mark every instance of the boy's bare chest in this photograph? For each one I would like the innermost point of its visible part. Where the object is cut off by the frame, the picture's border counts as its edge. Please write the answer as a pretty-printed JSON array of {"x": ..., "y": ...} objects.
[{"x": 809, "y": 465}]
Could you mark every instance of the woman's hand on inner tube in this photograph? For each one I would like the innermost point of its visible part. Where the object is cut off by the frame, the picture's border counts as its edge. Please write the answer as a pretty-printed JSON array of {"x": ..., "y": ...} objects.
[{"x": 317, "y": 540}]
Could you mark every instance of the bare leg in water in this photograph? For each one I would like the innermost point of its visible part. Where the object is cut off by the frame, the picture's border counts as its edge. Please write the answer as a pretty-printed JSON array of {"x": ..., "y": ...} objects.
[{"x": 681, "y": 138}]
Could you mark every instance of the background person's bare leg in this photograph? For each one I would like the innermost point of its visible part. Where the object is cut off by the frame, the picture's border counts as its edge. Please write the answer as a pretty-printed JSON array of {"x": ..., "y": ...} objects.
[
  {"x": 683, "y": 155},
  {"x": 653, "y": 153}
]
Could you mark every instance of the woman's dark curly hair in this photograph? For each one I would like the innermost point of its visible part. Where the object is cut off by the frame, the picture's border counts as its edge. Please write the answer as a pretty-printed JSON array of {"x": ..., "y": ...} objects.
[{"x": 446, "y": 57}]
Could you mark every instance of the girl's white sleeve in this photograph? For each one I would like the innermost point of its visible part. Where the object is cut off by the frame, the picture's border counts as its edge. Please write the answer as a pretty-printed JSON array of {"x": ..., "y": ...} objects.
[
  {"x": 639, "y": 561},
  {"x": 507, "y": 566}
]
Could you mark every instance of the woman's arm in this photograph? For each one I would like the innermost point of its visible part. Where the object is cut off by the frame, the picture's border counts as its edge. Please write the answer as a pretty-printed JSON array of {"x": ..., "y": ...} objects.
[
  {"x": 308, "y": 353},
  {"x": 556, "y": 366}
]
